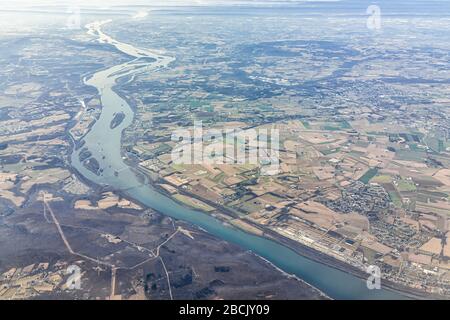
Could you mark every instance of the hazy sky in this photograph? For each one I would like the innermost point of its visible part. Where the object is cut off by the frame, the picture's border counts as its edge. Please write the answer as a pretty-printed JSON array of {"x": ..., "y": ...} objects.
[{"x": 21, "y": 3}]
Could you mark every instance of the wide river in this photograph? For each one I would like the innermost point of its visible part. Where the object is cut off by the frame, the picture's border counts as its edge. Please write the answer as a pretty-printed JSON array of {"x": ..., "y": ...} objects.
[{"x": 105, "y": 145}]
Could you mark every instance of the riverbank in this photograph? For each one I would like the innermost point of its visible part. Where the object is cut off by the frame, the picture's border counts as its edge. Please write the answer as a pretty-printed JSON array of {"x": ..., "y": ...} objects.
[
  {"x": 310, "y": 253},
  {"x": 304, "y": 250}
]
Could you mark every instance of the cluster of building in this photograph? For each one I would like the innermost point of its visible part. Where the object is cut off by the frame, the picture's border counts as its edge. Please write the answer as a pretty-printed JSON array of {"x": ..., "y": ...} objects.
[{"x": 32, "y": 281}]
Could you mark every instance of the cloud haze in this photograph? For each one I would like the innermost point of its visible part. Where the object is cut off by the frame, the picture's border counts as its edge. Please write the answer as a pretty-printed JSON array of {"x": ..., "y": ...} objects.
[{"x": 90, "y": 3}]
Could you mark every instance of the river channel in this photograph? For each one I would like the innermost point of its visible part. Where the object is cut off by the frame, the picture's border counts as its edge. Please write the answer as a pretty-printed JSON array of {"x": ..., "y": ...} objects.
[{"x": 104, "y": 143}]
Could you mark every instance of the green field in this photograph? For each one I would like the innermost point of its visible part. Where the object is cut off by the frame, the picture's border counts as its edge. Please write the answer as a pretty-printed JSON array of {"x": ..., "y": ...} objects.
[
  {"x": 382, "y": 179},
  {"x": 406, "y": 186},
  {"x": 396, "y": 199},
  {"x": 372, "y": 172},
  {"x": 306, "y": 124}
]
